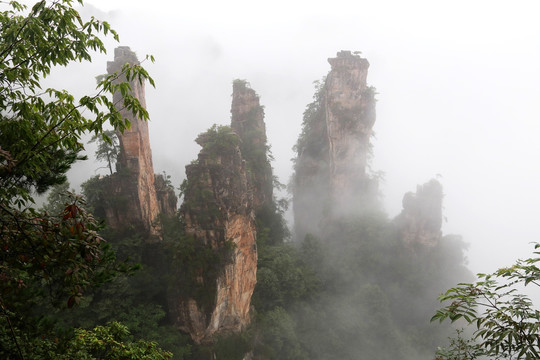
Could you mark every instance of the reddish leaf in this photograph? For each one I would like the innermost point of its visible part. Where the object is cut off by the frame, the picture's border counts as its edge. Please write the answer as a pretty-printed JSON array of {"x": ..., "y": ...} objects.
[{"x": 71, "y": 301}]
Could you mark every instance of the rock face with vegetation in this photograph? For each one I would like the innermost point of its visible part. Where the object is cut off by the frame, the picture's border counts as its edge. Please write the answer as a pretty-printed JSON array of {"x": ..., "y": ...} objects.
[
  {"x": 350, "y": 115},
  {"x": 213, "y": 296},
  {"x": 247, "y": 121},
  {"x": 376, "y": 279},
  {"x": 133, "y": 186},
  {"x": 420, "y": 220},
  {"x": 225, "y": 282},
  {"x": 331, "y": 176}
]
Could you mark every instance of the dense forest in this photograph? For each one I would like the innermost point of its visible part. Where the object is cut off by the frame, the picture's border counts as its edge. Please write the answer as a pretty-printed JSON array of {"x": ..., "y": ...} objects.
[{"x": 137, "y": 267}]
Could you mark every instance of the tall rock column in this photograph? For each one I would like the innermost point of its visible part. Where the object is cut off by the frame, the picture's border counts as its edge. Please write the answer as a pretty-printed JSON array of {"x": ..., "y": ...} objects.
[
  {"x": 350, "y": 115},
  {"x": 140, "y": 205},
  {"x": 331, "y": 178},
  {"x": 214, "y": 287},
  {"x": 247, "y": 120}
]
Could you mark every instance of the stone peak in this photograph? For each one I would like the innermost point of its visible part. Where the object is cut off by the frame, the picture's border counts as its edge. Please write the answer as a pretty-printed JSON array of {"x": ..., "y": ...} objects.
[
  {"x": 122, "y": 55},
  {"x": 348, "y": 59},
  {"x": 125, "y": 52},
  {"x": 240, "y": 84}
]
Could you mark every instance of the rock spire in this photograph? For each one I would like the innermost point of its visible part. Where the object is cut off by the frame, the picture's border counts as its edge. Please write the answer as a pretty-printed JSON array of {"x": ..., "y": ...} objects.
[
  {"x": 247, "y": 120},
  {"x": 131, "y": 196},
  {"x": 331, "y": 178},
  {"x": 219, "y": 218},
  {"x": 350, "y": 115}
]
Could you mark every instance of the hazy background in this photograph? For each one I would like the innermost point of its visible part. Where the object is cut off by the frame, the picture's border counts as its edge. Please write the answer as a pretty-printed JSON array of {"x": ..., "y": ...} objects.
[{"x": 458, "y": 85}]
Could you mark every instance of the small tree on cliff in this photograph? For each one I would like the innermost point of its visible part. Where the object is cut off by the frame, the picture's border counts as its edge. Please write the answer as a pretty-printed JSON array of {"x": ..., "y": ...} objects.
[
  {"x": 108, "y": 148},
  {"x": 49, "y": 258}
]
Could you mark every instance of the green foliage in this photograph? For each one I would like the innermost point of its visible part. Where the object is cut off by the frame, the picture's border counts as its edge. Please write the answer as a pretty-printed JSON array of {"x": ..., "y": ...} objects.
[
  {"x": 271, "y": 225},
  {"x": 232, "y": 347},
  {"x": 201, "y": 200},
  {"x": 57, "y": 199},
  {"x": 373, "y": 293},
  {"x": 506, "y": 323},
  {"x": 345, "y": 115},
  {"x": 460, "y": 348},
  {"x": 241, "y": 82},
  {"x": 370, "y": 92},
  {"x": 196, "y": 267},
  {"x": 218, "y": 140},
  {"x": 283, "y": 278},
  {"x": 357, "y": 293},
  {"x": 41, "y": 128},
  {"x": 111, "y": 342},
  {"x": 53, "y": 256},
  {"x": 312, "y": 140},
  {"x": 49, "y": 259},
  {"x": 94, "y": 193},
  {"x": 97, "y": 192},
  {"x": 278, "y": 337},
  {"x": 136, "y": 299}
]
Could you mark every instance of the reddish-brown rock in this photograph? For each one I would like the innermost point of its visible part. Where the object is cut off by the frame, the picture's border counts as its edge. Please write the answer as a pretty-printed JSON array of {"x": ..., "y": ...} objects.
[
  {"x": 132, "y": 186},
  {"x": 218, "y": 215},
  {"x": 331, "y": 178},
  {"x": 350, "y": 115}
]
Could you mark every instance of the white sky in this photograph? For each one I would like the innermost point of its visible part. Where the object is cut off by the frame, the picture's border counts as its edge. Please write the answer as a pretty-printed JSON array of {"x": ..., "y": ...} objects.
[{"x": 458, "y": 85}]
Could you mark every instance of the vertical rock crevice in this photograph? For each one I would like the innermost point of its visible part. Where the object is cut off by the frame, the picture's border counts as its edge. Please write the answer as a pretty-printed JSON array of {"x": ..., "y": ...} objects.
[
  {"x": 226, "y": 186},
  {"x": 219, "y": 217}
]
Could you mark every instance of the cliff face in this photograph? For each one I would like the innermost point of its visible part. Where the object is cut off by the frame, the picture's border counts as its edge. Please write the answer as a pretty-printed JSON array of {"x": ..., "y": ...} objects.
[
  {"x": 420, "y": 220},
  {"x": 350, "y": 115},
  {"x": 247, "y": 121},
  {"x": 132, "y": 199},
  {"x": 333, "y": 150},
  {"x": 218, "y": 216}
]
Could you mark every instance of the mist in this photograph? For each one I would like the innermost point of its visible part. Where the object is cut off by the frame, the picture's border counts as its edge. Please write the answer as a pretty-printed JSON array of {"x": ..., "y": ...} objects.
[
  {"x": 457, "y": 95},
  {"x": 398, "y": 188}
]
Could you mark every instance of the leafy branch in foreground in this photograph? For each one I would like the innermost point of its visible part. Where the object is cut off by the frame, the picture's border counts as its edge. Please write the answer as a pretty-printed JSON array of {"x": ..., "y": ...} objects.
[
  {"x": 41, "y": 128},
  {"x": 112, "y": 341},
  {"x": 505, "y": 323},
  {"x": 50, "y": 259}
]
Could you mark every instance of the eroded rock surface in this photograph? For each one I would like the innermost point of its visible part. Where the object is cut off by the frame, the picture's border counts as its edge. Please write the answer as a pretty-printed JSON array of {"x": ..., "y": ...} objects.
[
  {"x": 133, "y": 196},
  {"x": 135, "y": 159},
  {"x": 350, "y": 115},
  {"x": 331, "y": 178},
  {"x": 247, "y": 121},
  {"x": 218, "y": 215}
]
